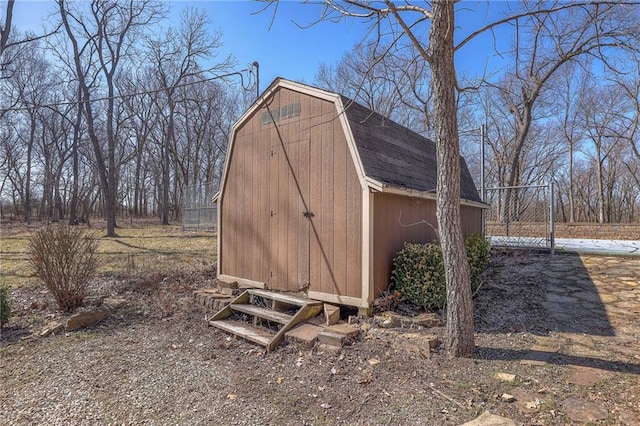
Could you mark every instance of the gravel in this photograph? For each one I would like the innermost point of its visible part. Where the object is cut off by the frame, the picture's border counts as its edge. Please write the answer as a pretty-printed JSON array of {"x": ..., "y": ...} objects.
[{"x": 155, "y": 361}]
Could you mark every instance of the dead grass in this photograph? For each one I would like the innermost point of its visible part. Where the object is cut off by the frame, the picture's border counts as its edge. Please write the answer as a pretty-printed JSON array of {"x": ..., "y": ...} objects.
[{"x": 147, "y": 247}]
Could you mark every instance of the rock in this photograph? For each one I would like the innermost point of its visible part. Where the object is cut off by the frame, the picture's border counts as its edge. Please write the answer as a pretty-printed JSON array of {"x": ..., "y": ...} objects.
[
  {"x": 429, "y": 340},
  {"x": 373, "y": 361},
  {"x": 488, "y": 419},
  {"x": 580, "y": 410},
  {"x": 114, "y": 303},
  {"x": 387, "y": 320},
  {"x": 430, "y": 319},
  {"x": 586, "y": 376},
  {"x": 508, "y": 397},
  {"x": 505, "y": 377},
  {"x": 526, "y": 401},
  {"x": 392, "y": 320},
  {"x": 53, "y": 327},
  {"x": 332, "y": 314},
  {"x": 338, "y": 335},
  {"x": 87, "y": 318},
  {"x": 304, "y": 334}
]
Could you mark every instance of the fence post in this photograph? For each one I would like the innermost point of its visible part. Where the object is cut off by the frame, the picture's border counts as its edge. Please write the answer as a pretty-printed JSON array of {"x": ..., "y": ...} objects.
[{"x": 552, "y": 231}]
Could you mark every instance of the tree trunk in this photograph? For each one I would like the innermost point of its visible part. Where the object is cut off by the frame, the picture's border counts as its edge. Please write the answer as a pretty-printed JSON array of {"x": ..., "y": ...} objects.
[
  {"x": 600, "y": 179},
  {"x": 27, "y": 181},
  {"x": 460, "y": 327},
  {"x": 572, "y": 203},
  {"x": 73, "y": 208},
  {"x": 164, "y": 219}
]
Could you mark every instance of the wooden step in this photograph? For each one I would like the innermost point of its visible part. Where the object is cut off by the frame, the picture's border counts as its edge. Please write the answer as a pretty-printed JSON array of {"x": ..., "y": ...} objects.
[
  {"x": 245, "y": 331},
  {"x": 306, "y": 309},
  {"x": 264, "y": 313},
  {"x": 284, "y": 298}
]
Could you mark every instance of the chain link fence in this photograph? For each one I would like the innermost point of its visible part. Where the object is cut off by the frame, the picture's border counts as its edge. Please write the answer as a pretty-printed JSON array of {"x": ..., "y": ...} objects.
[
  {"x": 520, "y": 216},
  {"x": 198, "y": 209}
]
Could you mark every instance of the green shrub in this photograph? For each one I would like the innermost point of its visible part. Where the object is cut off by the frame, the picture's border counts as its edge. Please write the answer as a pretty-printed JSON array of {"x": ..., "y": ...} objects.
[
  {"x": 418, "y": 271},
  {"x": 479, "y": 255},
  {"x": 418, "y": 274},
  {"x": 65, "y": 259},
  {"x": 5, "y": 306}
]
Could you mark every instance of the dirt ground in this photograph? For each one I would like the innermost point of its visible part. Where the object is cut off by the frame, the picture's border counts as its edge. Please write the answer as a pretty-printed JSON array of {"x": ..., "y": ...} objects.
[{"x": 155, "y": 361}]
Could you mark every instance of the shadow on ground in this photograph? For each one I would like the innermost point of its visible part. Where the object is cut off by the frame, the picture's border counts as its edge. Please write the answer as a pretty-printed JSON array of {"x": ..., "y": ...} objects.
[{"x": 582, "y": 310}]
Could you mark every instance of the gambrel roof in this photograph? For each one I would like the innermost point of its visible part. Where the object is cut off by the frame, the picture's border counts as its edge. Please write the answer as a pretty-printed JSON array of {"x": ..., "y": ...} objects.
[
  {"x": 392, "y": 157},
  {"x": 397, "y": 156}
]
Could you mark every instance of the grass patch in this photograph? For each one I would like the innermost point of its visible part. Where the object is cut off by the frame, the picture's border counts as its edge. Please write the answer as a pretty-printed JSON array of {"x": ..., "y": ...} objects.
[{"x": 146, "y": 248}]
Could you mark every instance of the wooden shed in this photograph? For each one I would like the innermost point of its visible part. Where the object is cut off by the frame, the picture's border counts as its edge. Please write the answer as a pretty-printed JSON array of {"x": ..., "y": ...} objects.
[{"x": 319, "y": 194}]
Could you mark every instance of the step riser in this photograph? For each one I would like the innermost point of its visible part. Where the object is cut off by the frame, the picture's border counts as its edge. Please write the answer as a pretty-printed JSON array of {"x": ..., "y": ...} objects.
[{"x": 306, "y": 309}]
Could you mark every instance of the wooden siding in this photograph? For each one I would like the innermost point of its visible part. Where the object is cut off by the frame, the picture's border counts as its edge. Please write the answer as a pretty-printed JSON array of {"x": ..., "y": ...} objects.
[
  {"x": 275, "y": 175},
  {"x": 399, "y": 219},
  {"x": 471, "y": 219}
]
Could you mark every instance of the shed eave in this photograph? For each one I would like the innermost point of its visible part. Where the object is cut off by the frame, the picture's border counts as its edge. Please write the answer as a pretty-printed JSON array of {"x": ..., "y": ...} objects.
[{"x": 378, "y": 186}]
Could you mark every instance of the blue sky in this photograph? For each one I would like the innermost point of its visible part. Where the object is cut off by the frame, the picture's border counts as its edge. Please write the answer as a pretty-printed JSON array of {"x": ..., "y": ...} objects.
[{"x": 284, "y": 49}]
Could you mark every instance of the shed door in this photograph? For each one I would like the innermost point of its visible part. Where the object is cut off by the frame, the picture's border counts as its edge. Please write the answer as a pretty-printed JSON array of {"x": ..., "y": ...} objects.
[{"x": 289, "y": 223}]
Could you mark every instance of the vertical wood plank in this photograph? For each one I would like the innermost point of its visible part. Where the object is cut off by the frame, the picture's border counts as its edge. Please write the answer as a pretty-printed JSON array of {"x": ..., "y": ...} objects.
[
  {"x": 327, "y": 273},
  {"x": 293, "y": 217},
  {"x": 273, "y": 206},
  {"x": 283, "y": 217},
  {"x": 339, "y": 228},
  {"x": 353, "y": 231},
  {"x": 304, "y": 223},
  {"x": 316, "y": 258}
]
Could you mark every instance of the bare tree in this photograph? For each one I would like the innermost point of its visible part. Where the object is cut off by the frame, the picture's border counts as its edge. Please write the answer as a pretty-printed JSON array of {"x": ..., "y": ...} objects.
[
  {"x": 572, "y": 85},
  {"x": 547, "y": 38},
  {"x": 605, "y": 120},
  {"x": 384, "y": 79},
  {"x": 109, "y": 27},
  {"x": 29, "y": 85},
  {"x": 6, "y": 39},
  {"x": 175, "y": 58},
  {"x": 5, "y": 27}
]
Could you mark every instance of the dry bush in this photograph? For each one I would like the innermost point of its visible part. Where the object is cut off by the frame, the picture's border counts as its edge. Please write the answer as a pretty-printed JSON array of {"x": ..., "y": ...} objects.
[{"x": 65, "y": 259}]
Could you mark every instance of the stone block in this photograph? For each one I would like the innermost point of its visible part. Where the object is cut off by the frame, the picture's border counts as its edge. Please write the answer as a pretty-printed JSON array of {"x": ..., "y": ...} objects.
[
  {"x": 505, "y": 377},
  {"x": 331, "y": 339},
  {"x": 114, "y": 303},
  {"x": 87, "y": 318},
  {"x": 53, "y": 327},
  {"x": 331, "y": 314},
  {"x": 338, "y": 334},
  {"x": 430, "y": 319},
  {"x": 583, "y": 411},
  {"x": 305, "y": 334},
  {"x": 227, "y": 291}
]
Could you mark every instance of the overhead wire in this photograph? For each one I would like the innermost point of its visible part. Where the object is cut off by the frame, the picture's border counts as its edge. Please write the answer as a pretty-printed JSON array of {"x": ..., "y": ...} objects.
[{"x": 130, "y": 95}]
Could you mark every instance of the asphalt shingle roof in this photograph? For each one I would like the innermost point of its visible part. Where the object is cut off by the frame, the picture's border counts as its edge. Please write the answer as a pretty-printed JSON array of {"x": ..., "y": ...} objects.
[{"x": 394, "y": 155}]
